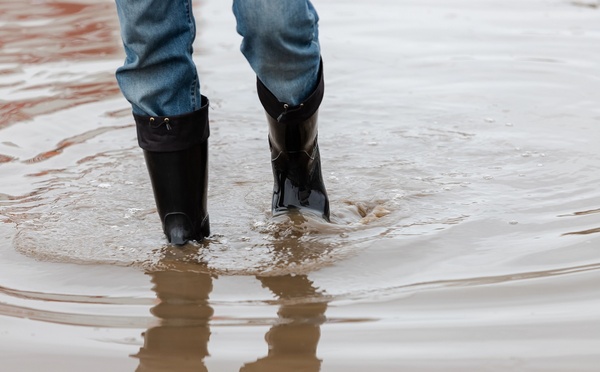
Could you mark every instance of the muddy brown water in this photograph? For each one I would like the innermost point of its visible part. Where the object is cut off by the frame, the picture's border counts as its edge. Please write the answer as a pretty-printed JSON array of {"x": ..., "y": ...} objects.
[{"x": 460, "y": 150}]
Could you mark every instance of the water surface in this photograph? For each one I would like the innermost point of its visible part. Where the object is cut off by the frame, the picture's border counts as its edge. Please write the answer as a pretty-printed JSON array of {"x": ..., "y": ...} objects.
[{"x": 459, "y": 144}]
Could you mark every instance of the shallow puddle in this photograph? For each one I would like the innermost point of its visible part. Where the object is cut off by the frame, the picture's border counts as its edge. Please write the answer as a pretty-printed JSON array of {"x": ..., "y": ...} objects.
[{"x": 459, "y": 145}]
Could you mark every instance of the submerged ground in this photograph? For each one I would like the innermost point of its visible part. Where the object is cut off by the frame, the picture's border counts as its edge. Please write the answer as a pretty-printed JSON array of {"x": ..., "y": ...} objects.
[{"x": 459, "y": 143}]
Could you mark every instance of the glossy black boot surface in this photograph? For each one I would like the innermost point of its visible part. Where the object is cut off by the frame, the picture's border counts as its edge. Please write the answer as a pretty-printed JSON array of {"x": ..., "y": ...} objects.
[
  {"x": 176, "y": 154},
  {"x": 295, "y": 159}
]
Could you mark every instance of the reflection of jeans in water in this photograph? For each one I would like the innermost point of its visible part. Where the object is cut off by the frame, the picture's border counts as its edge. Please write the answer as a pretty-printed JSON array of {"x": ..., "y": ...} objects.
[{"x": 280, "y": 41}]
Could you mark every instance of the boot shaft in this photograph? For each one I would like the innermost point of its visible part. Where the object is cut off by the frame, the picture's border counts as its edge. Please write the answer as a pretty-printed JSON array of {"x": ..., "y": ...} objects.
[
  {"x": 176, "y": 154},
  {"x": 295, "y": 159}
]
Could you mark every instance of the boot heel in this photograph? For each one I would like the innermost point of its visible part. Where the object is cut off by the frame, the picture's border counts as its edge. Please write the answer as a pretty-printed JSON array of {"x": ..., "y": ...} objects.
[{"x": 178, "y": 228}]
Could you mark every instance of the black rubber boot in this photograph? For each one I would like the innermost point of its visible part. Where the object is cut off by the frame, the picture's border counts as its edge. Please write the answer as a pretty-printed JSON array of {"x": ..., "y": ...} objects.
[
  {"x": 295, "y": 153},
  {"x": 176, "y": 153}
]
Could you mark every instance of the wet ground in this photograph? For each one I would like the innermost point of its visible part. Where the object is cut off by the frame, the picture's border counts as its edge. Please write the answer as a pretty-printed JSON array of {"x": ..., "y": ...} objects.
[{"x": 459, "y": 145}]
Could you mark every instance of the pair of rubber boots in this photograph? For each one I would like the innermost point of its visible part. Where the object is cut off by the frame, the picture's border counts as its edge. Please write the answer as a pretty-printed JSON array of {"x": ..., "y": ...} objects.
[{"x": 176, "y": 153}]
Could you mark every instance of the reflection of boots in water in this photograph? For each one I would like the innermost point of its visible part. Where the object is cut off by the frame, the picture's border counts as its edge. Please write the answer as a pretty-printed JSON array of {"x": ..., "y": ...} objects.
[
  {"x": 176, "y": 153},
  {"x": 180, "y": 343},
  {"x": 293, "y": 341},
  {"x": 295, "y": 159}
]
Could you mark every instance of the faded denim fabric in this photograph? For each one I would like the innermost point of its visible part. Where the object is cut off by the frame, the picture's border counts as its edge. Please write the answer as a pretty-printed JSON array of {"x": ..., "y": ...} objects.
[{"x": 159, "y": 77}]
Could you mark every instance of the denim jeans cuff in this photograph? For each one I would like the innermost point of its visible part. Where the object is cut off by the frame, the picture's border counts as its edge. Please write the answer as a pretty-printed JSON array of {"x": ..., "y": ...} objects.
[{"x": 283, "y": 112}]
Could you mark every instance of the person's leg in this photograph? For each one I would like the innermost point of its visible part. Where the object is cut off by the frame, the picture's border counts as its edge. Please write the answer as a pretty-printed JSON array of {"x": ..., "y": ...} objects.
[
  {"x": 280, "y": 41},
  {"x": 159, "y": 78}
]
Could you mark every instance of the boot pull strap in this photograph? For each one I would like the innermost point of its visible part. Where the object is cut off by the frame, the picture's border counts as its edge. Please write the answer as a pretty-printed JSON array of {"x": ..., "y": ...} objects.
[
  {"x": 165, "y": 121},
  {"x": 287, "y": 110}
]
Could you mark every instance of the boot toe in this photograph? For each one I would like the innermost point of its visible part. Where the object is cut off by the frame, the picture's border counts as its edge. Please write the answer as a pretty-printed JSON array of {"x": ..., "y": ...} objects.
[{"x": 290, "y": 198}]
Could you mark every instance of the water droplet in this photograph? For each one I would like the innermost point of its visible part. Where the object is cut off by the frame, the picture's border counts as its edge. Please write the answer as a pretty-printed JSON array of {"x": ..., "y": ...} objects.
[
  {"x": 104, "y": 185},
  {"x": 490, "y": 120},
  {"x": 513, "y": 222},
  {"x": 509, "y": 124},
  {"x": 488, "y": 177}
]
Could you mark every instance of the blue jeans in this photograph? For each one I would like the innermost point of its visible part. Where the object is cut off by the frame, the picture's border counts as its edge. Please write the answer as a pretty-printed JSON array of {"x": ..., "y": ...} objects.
[{"x": 159, "y": 78}]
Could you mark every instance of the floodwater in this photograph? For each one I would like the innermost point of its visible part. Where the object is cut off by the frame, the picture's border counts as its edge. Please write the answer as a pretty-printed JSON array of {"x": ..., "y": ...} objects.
[{"x": 459, "y": 144}]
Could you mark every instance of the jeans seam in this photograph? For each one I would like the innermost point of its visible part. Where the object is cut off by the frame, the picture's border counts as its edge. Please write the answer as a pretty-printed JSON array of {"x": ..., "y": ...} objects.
[{"x": 192, "y": 28}]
